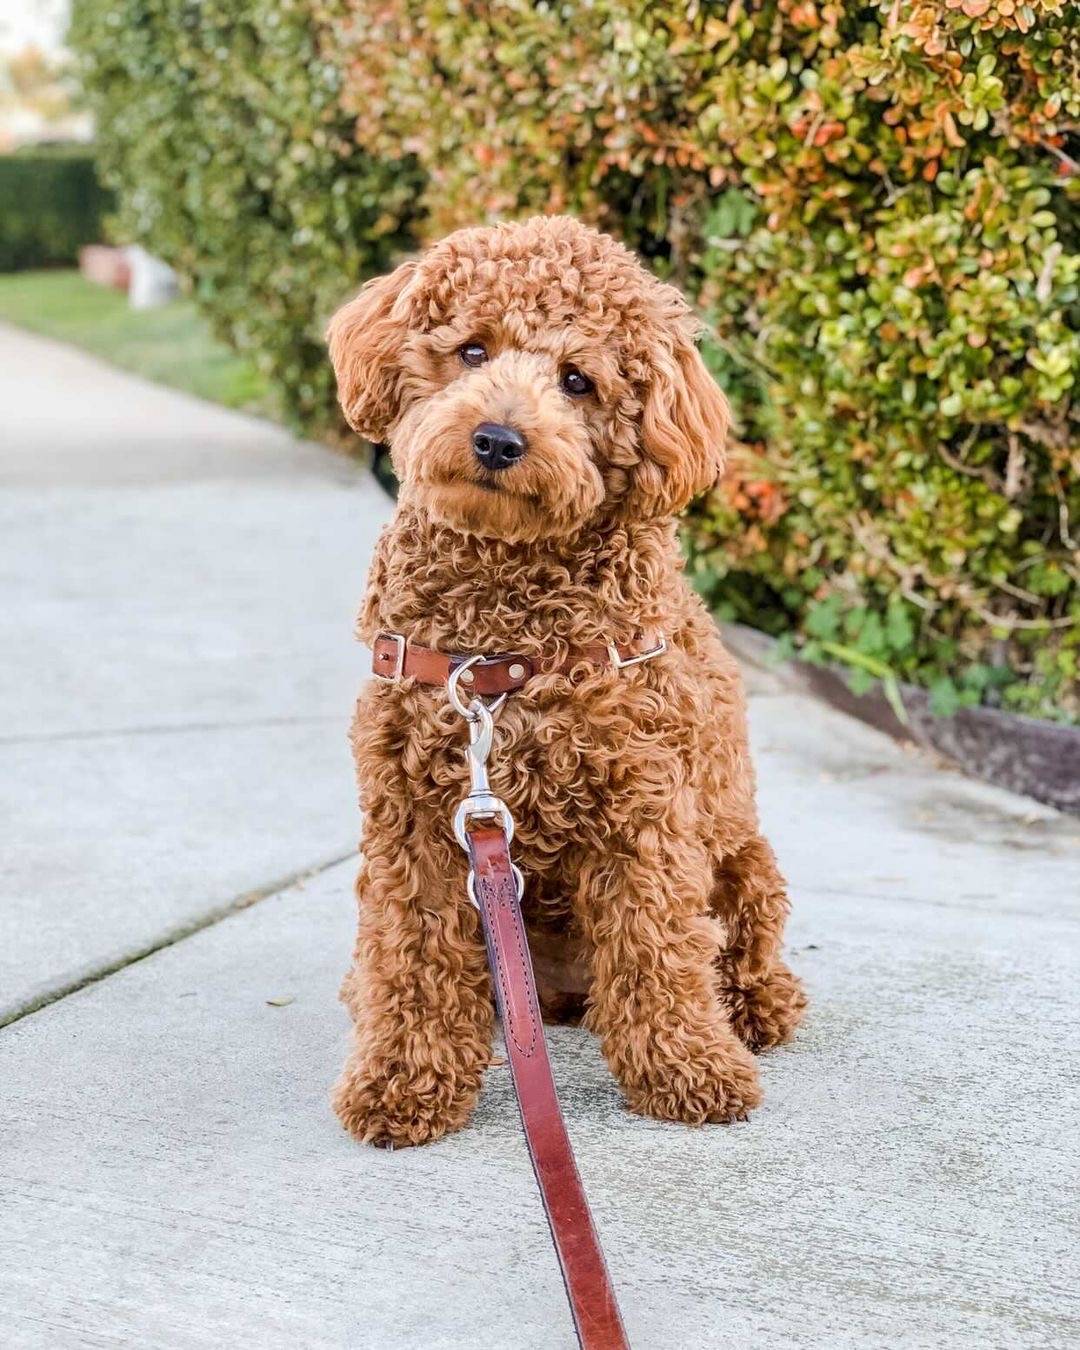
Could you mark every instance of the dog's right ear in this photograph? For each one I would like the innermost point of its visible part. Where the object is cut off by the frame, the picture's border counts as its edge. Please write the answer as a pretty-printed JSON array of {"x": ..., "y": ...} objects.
[{"x": 365, "y": 338}]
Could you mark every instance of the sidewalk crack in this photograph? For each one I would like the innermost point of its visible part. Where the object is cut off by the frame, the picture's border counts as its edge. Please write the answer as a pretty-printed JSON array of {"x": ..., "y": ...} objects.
[
  {"x": 170, "y": 938},
  {"x": 163, "y": 729}
]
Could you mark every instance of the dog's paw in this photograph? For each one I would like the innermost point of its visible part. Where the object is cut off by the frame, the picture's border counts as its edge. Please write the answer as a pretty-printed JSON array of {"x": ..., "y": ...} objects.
[
  {"x": 766, "y": 1014},
  {"x": 390, "y": 1111},
  {"x": 715, "y": 1089}
]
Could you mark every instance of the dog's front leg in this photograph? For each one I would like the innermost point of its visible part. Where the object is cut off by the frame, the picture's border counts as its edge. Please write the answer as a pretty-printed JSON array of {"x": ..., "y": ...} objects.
[
  {"x": 765, "y": 1000},
  {"x": 421, "y": 997},
  {"x": 654, "y": 1002}
]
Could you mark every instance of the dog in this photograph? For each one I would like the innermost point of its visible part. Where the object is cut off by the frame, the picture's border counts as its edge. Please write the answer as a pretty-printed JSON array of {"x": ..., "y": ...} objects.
[{"x": 548, "y": 415}]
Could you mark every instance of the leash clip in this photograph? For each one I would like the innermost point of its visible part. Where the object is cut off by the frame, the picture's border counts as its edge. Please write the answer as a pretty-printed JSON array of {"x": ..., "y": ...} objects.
[{"x": 481, "y": 801}]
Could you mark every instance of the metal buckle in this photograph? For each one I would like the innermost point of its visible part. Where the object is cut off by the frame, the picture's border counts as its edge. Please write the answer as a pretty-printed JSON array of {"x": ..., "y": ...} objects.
[
  {"x": 399, "y": 665},
  {"x": 620, "y": 664}
]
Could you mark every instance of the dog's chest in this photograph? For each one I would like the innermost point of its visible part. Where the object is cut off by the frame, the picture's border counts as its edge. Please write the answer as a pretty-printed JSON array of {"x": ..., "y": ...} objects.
[{"x": 575, "y": 764}]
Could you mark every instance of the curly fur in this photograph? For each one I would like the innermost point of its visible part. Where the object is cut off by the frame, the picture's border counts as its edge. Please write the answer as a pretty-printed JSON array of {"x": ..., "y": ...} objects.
[{"x": 654, "y": 904}]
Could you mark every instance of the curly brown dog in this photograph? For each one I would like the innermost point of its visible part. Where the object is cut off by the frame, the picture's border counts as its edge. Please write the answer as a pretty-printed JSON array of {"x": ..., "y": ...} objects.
[{"x": 547, "y": 415}]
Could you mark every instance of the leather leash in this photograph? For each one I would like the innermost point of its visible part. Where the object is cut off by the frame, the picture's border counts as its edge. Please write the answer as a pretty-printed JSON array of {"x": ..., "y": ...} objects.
[{"x": 485, "y": 828}]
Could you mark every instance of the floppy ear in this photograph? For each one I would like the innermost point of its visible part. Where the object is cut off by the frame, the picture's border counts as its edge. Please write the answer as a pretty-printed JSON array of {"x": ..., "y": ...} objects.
[
  {"x": 365, "y": 338},
  {"x": 683, "y": 429}
]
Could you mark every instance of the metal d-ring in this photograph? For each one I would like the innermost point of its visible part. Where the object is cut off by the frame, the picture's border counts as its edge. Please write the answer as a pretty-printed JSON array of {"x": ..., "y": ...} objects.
[
  {"x": 519, "y": 881},
  {"x": 621, "y": 664},
  {"x": 469, "y": 711}
]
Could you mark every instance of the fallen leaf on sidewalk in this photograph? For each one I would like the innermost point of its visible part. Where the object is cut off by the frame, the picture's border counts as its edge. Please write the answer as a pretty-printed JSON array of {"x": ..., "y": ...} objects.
[{"x": 279, "y": 1002}]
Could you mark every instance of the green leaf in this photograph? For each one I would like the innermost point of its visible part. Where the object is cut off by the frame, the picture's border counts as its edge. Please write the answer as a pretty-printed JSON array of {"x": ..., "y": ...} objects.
[
  {"x": 899, "y": 630},
  {"x": 823, "y": 618},
  {"x": 944, "y": 697}
]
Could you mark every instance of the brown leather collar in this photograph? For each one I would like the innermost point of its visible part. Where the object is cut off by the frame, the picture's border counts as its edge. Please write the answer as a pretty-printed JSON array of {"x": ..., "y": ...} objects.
[{"x": 393, "y": 657}]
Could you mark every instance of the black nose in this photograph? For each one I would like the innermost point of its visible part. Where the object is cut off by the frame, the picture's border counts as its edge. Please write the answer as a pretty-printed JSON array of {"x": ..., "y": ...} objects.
[{"x": 497, "y": 447}]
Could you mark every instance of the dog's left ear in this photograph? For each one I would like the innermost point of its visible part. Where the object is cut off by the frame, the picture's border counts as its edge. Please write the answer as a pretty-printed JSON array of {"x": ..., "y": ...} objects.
[
  {"x": 365, "y": 338},
  {"x": 684, "y": 425}
]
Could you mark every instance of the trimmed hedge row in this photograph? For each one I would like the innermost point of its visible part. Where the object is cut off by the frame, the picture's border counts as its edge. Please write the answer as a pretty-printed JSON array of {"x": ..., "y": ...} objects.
[
  {"x": 51, "y": 203},
  {"x": 873, "y": 205},
  {"x": 220, "y": 126}
]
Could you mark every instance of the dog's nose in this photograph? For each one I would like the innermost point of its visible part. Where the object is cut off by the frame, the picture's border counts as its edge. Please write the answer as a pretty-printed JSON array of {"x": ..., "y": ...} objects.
[{"x": 496, "y": 446}]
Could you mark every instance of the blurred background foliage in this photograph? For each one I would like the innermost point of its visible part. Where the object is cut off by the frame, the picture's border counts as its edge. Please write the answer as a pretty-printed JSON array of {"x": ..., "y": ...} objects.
[
  {"x": 221, "y": 125},
  {"x": 874, "y": 207},
  {"x": 50, "y": 203}
]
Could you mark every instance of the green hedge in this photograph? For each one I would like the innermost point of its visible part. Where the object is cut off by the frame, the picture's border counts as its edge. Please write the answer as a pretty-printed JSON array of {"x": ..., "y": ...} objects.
[
  {"x": 220, "y": 126},
  {"x": 51, "y": 203},
  {"x": 873, "y": 205}
]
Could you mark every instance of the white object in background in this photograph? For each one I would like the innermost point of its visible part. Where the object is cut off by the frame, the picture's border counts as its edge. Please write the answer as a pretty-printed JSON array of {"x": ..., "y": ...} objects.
[{"x": 152, "y": 281}]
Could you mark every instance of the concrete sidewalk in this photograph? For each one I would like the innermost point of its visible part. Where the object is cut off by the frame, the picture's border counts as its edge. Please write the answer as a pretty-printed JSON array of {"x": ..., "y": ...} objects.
[
  {"x": 179, "y": 584},
  {"x": 178, "y": 590}
]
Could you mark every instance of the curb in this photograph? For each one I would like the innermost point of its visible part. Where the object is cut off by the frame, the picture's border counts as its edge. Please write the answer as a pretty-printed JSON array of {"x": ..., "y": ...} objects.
[{"x": 1024, "y": 754}]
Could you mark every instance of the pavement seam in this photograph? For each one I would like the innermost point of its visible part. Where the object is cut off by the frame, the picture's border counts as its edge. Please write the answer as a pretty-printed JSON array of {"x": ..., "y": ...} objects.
[
  {"x": 171, "y": 938},
  {"x": 165, "y": 729}
]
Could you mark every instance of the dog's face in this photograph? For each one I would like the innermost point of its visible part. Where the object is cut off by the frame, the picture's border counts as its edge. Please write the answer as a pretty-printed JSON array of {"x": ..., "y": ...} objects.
[{"x": 528, "y": 378}]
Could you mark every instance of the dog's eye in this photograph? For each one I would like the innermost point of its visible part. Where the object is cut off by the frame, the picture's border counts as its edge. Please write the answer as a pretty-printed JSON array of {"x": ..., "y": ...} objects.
[
  {"x": 473, "y": 353},
  {"x": 575, "y": 384}
]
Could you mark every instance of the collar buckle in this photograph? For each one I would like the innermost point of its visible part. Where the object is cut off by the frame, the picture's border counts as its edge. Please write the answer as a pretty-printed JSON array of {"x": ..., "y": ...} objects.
[
  {"x": 399, "y": 664},
  {"x": 620, "y": 663}
]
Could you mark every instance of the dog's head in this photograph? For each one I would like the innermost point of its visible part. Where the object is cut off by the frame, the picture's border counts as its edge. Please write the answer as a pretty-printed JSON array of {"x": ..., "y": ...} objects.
[{"x": 530, "y": 377}]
